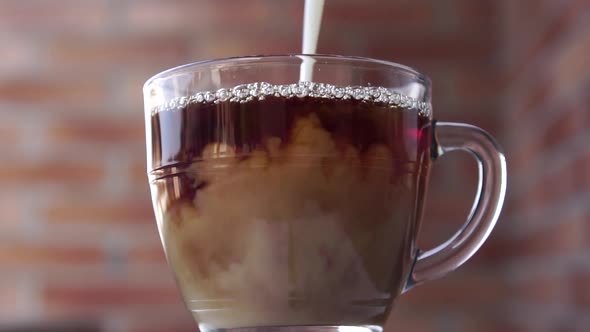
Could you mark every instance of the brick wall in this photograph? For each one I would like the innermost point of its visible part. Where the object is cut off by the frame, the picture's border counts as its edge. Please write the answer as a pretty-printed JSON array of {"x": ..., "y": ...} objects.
[
  {"x": 77, "y": 235},
  {"x": 546, "y": 225}
]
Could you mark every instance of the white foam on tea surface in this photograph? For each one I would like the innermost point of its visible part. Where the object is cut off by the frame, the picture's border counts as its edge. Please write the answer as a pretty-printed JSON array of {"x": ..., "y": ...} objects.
[{"x": 244, "y": 93}]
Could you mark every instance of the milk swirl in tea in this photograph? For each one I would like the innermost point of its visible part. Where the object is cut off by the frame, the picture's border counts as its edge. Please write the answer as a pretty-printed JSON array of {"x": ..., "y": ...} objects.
[{"x": 290, "y": 204}]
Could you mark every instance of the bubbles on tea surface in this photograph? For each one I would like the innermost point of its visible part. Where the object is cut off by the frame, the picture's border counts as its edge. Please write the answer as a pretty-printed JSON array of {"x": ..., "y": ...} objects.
[{"x": 260, "y": 90}]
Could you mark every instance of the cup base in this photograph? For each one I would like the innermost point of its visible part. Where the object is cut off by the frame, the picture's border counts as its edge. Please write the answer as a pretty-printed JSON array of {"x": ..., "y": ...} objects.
[{"x": 299, "y": 328}]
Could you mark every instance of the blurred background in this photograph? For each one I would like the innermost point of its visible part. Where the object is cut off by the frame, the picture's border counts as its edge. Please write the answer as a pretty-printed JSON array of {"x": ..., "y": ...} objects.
[{"x": 79, "y": 248}]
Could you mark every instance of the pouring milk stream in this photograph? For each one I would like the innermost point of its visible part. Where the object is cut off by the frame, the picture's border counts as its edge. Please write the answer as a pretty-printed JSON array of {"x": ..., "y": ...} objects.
[{"x": 312, "y": 19}]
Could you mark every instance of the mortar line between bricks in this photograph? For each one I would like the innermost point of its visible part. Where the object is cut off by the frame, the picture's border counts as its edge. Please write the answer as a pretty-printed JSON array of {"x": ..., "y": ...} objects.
[
  {"x": 531, "y": 267},
  {"x": 30, "y": 297},
  {"x": 86, "y": 153},
  {"x": 514, "y": 92},
  {"x": 556, "y": 99},
  {"x": 115, "y": 181},
  {"x": 545, "y": 114},
  {"x": 544, "y": 315},
  {"x": 32, "y": 228},
  {"x": 63, "y": 235},
  {"x": 549, "y": 162},
  {"x": 573, "y": 205},
  {"x": 582, "y": 318},
  {"x": 115, "y": 321},
  {"x": 539, "y": 62},
  {"x": 66, "y": 274}
]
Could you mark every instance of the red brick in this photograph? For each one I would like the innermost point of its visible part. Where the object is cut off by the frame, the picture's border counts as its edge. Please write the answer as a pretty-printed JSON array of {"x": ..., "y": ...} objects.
[
  {"x": 481, "y": 13},
  {"x": 137, "y": 173},
  {"x": 199, "y": 20},
  {"x": 522, "y": 157},
  {"x": 112, "y": 269},
  {"x": 108, "y": 296},
  {"x": 538, "y": 92},
  {"x": 177, "y": 326},
  {"x": 581, "y": 170},
  {"x": 171, "y": 319},
  {"x": 570, "y": 67},
  {"x": 67, "y": 16},
  {"x": 511, "y": 206},
  {"x": 111, "y": 52},
  {"x": 358, "y": 13},
  {"x": 42, "y": 90},
  {"x": 9, "y": 135},
  {"x": 9, "y": 295},
  {"x": 539, "y": 196},
  {"x": 580, "y": 290},
  {"x": 129, "y": 93},
  {"x": 51, "y": 171},
  {"x": 168, "y": 17},
  {"x": 552, "y": 187},
  {"x": 250, "y": 44},
  {"x": 398, "y": 323},
  {"x": 483, "y": 84},
  {"x": 570, "y": 123},
  {"x": 491, "y": 254},
  {"x": 550, "y": 31},
  {"x": 439, "y": 48},
  {"x": 20, "y": 254},
  {"x": 488, "y": 324},
  {"x": 562, "y": 237},
  {"x": 11, "y": 213},
  {"x": 103, "y": 210},
  {"x": 147, "y": 254},
  {"x": 254, "y": 11},
  {"x": 541, "y": 290},
  {"x": 470, "y": 111},
  {"x": 459, "y": 291},
  {"x": 20, "y": 57},
  {"x": 523, "y": 19},
  {"x": 449, "y": 203},
  {"x": 543, "y": 9},
  {"x": 97, "y": 130}
]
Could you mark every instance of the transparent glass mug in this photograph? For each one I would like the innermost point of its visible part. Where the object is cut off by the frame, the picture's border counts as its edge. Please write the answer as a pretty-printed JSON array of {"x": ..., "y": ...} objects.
[{"x": 283, "y": 203}]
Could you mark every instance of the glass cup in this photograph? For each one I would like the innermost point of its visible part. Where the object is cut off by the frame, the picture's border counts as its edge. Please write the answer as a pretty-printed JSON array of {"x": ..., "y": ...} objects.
[{"x": 283, "y": 203}]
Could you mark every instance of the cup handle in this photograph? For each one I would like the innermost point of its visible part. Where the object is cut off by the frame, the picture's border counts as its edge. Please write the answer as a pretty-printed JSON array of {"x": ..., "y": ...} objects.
[{"x": 491, "y": 163}]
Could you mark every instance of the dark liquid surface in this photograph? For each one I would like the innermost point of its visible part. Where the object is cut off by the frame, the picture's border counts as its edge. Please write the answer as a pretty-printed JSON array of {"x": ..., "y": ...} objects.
[
  {"x": 298, "y": 211},
  {"x": 181, "y": 135}
]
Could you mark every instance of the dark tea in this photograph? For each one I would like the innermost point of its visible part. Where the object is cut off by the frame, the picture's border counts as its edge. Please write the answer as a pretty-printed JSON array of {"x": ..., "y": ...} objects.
[{"x": 292, "y": 204}]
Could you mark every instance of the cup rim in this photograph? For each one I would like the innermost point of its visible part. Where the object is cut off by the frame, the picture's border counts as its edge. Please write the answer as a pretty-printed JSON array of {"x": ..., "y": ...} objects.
[{"x": 420, "y": 78}]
